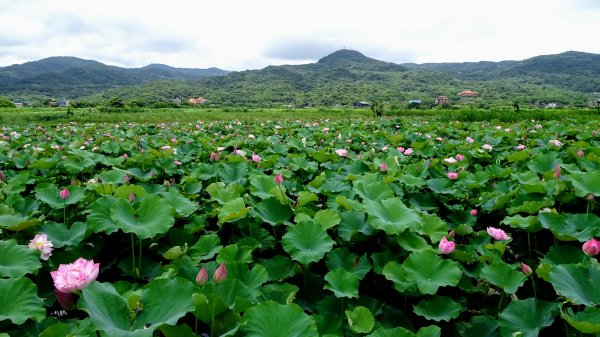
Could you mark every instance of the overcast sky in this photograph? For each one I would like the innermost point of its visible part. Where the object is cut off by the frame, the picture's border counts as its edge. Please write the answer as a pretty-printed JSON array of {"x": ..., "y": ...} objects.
[{"x": 246, "y": 34}]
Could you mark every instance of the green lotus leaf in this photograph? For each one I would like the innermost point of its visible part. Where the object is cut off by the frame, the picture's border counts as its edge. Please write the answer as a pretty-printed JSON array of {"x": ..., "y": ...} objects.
[
  {"x": 441, "y": 185},
  {"x": 235, "y": 253},
  {"x": 433, "y": 227},
  {"x": 429, "y": 331},
  {"x": 370, "y": 187},
  {"x": 261, "y": 185},
  {"x": 526, "y": 317},
  {"x": 16, "y": 223},
  {"x": 150, "y": 217},
  {"x": 80, "y": 328},
  {"x": 183, "y": 206},
  {"x": 558, "y": 255},
  {"x": 412, "y": 242},
  {"x": 393, "y": 332},
  {"x": 232, "y": 210},
  {"x": 206, "y": 247},
  {"x": 99, "y": 218},
  {"x": 50, "y": 194},
  {"x": 307, "y": 242},
  {"x": 543, "y": 163},
  {"x": 222, "y": 194},
  {"x": 19, "y": 300},
  {"x": 108, "y": 310},
  {"x": 234, "y": 173},
  {"x": 305, "y": 197},
  {"x": 391, "y": 215},
  {"x": 342, "y": 283},
  {"x": 17, "y": 260},
  {"x": 280, "y": 267},
  {"x": 177, "y": 331},
  {"x": 586, "y": 321},
  {"x": 115, "y": 177},
  {"x": 503, "y": 276},
  {"x": 570, "y": 227},
  {"x": 586, "y": 183},
  {"x": 272, "y": 211},
  {"x": 62, "y": 236},
  {"x": 234, "y": 293},
  {"x": 360, "y": 319},
  {"x": 327, "y": 218},
  {"x": 282, "y": 293},
  {"x": 577, "y": 283},
  {"x": 352, "y": 224},
  {"x": 271, "y": 319},
  {"x": 430, "y": 271},
  {"x": 342, "y": 258},
  {"x": 529, "y": 223},
  {"x": 479, "y": 326},
  {"x": 438, "y": 308}
]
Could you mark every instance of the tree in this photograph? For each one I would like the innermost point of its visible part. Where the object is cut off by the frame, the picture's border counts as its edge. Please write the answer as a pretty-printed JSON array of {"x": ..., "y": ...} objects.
[
  {"x": 116, "y": 102},
  {"x": 6, "y": 103},
  {"x": 377, "y": 108}
]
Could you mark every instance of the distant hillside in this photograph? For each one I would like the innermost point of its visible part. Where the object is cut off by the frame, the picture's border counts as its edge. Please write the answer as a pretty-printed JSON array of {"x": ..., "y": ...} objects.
[
  {"x": 346, "y": 76},
  {"x": 71, "y": 77}
]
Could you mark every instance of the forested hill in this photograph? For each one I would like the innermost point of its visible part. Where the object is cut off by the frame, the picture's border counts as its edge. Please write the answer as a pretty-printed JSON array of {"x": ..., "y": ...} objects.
[
  {"x": 340, "y": 78},
  {"x": 71, "y": 77}
]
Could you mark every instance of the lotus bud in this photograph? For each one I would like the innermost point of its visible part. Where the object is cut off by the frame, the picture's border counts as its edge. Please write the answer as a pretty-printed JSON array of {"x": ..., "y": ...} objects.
[
  {"x": 131, "y": 197},
  {"x": 64, "y": 193},
  {"x": 474, "y": 212},
  {"x": 452, "y": 175},
  {"x": 557, "y": 172},
  {"x": 220, "y": 274},
  {"x": 67, "y": 301},
  {"x": 202, "y": 277},
  {"x": 526, "y": 269},
  {"x": 278, "y": 179},
  {"x": 383, "y": 167},
  {"x": 580, "y": 153},
  {"x": 591, "y": 247},
  {"x": 446, "y": 247}
]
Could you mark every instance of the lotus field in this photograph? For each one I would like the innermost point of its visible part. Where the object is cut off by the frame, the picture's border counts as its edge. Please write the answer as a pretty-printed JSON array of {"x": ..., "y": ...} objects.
[{"x": 362, "y": 227}]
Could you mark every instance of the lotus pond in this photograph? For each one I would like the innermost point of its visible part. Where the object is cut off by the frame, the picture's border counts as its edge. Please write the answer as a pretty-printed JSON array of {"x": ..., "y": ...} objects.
[{"x": 360, "y": 227}]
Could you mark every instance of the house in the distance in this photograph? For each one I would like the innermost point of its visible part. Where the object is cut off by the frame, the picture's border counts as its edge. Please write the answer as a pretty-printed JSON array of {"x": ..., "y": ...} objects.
[
  {"x": 361, "y": 104},
  {"x": 197, "y": 101},
  {"x": 468, "y": 93},
  {"x": 442, "y": 100}
]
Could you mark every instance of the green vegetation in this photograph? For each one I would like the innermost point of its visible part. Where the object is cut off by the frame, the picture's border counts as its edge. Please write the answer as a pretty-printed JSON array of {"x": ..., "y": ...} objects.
[{"x": 6, "y": 103}]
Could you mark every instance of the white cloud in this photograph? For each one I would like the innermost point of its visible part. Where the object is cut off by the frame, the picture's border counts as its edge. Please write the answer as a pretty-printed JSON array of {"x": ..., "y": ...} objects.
[{"x": 237, "y": 34}]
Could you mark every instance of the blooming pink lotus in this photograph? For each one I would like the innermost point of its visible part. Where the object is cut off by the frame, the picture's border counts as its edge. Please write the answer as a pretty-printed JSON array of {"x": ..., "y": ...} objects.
[
  {"x": 474, "y": 212},
  {"x": 383, "y": 167},
  {"x": 255, "y": 158},
  {"x": 220, "y": 274},
  {"x": 591, "y": 247},
  {"x": 75, "y": 276},
  {"x": 580, "y": 153},
  {"x": 497, "y": 234},
  {"x": 341, "y": 152},
  {"x": 41, "y": 243},
  {"x": 460, "y": 157},
  {"x": 452, "y": 175},
  {"x": 446, "y": 247}
]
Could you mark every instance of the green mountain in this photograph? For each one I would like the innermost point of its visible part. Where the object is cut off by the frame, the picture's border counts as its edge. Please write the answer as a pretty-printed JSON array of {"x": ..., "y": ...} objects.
[
  {"x": 71, "y": 77},
  {"x": 338, "y": 79}
]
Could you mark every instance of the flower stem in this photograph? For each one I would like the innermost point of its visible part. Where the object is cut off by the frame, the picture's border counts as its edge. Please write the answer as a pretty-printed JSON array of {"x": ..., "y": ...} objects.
[
  {"x": 133, "y": 257},
  {"x": 139, "y": 270}
]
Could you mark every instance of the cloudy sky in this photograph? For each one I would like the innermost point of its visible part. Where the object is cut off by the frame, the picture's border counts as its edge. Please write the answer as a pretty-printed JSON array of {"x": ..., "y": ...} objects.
[{"x": 244, "y": 34}]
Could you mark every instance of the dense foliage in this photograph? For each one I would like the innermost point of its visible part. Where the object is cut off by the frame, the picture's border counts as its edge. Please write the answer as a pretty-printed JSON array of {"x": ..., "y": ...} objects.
[{"x": 362, "y": 227}]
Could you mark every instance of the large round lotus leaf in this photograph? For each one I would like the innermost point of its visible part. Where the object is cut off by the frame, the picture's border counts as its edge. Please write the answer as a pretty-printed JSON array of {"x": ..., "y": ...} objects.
[
  {"x": 394, "y": 332},
  {"x": 109, "y": 312},
  {"x": 503, "y": 276},
  {"x": 271, "y": 319},
  {"x": 17, "y": 260},
  {"x": 342, "y": 258},
  {"x": 151, "y": 216},
  {"x": 280, "y": 267},
  {"x": 391, "y": 215},
  {"x": 19, "y": 300},
  {"x": 526, "y": 317},
  {"x": 558, "y": 255},
  {"x": 586, "y": 321},
  {"x": 234, "y": 172},
  {"x": 360, "y": 319},
  {"x": 307, "y": 242},
  {"x": 369, "y": 189},
  {"x": 570, "y": 227},
  {"x": 16, "y": 223},
  {"x": 232, "y": 210},
  {"x": 183, "y": 206},
  {"x": 439, "y": 308},
  {"x": 99, "y": 219},
  {"x": 577, "y": 283},
  {"x": 396, "y": 273},
  {"x": 81, "y": 328},
  {"x": 206, "y": 247},
  {"x": 262, "y": 185},
  {"x": 62, "y": 236},
  {"x": 327, "y": 218},
  {"x": 272, "y": 211},
  {"x": 342, "y": 283},
  {"x": 283, "y": 293},
  {"x": 429, "y": 331},
  {"x": 478, "y": 326},
  {"x": 50, "y": 194},
  {"x": 543, "y": 163},
  {"x": 586, "y": 183},
  {"x": 234, "y": 253},
  {"x": 353, "y": 223},
  {"x": 430, "y": 271}
]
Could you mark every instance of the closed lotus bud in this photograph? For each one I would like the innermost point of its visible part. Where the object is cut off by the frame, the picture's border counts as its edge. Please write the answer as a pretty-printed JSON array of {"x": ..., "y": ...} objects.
[
  {"x": 474, "y": 212},
  {"x": 202, "y": 277},
  {"x": 220, "y": 274},
  {"x": 64, "y": 193},
  {"x": 580, "y": 153},
  {"x": 278, "y": 179},
  {"x": 557, "y": 172},
  {"x": 131, "y": 197},
  {"x": 383, "y": 167},
  {"x": 446, "y": 247},
  {"x": 591, "y": 247},
  {"x": 1, "y": 176},
  {"x": 526, "y": 269}
]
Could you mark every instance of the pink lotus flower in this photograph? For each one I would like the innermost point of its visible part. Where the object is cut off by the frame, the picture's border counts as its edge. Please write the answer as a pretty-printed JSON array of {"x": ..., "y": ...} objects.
[
  {"x": 497, "y": 234},
  {"x": 202, "y": 276},
  {"x": 325, "y": 130},
  {"x": 64, "y": 193},
  {"x": 176, "y": 162},
  {"x": 383, "y": 167},
  {"x": 579, "y": 153},
  {"x": 214, "y": 157},
  {"x": 41, "y": 243},
  {"x": 278, "y": 179},
  {"x": 399, "y": 148},
  {"x": 341, "y": 152},
  {"x": 487, "y": 147},
  {"x": 67, "y": 301},
  {"x": 460, "y": 157},
  {"x": 1, "y": 176},
  {"x": 446, "y": 247},
  {"x": 220, "y": 274},
  {"x": 408, "y": 151},
  {"x": 470, "y": 140},
  {"x": 520, "y": 147},
  {"x": 450, "y": 160},
  {"x": 474, "y": 212},
  {"x": 255, "y": 158},
  {"x": 452, "y": 175},
  {"x": 591, "y": 247},
  {"x": 526, "y": 269},
  {"x": 556, "y": 172},
  {"x": 75, "y": 276}
]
